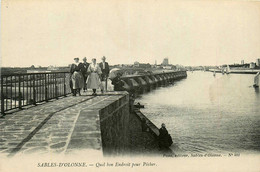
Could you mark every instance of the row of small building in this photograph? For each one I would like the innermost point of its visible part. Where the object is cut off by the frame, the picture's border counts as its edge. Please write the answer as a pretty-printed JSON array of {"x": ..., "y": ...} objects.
[{"x": 252, "y": 65}]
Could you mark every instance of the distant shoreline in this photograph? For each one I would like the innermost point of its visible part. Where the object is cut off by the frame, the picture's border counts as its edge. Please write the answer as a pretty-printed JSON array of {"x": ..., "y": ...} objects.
[{"x": 238, "y": 71}]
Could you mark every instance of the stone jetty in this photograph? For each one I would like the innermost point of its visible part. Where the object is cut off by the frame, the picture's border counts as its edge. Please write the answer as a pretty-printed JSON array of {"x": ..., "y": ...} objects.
[{"x": 106, "y": 123}]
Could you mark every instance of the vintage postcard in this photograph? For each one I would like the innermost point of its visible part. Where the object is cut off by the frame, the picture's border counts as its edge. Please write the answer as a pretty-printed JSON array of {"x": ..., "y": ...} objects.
[{"x": 130, "y": 85}]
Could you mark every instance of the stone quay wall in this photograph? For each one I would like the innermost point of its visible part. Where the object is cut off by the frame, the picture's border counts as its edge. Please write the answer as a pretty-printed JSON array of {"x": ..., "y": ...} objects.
[
  {"x": 114, "y": 126},
  {"x": 107, "y": 123},
  {"x": 126, "y": 132},
  {"x": 143, "y": 83},
  {"x": 125, "y": 129}
]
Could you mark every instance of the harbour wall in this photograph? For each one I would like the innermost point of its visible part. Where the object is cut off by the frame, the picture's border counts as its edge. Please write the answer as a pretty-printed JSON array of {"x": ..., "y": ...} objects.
[
  {"x": 107, "y": 123},
  {"x": 124, "y": 129},
  {"x": 114, "y": 126},
  {"x": 140, "y": 84}
]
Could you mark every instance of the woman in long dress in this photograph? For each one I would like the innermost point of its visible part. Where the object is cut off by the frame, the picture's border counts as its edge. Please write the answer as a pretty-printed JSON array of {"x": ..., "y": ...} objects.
[
  {"x": 93, "y": 80},
  {"x": 77, "y": 79}
]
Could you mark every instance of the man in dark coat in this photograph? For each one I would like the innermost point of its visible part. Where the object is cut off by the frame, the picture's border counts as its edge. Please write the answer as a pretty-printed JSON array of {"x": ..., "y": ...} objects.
[
  {"x": 105, "y": 71},
  {"x": 118, "y": 83},
  {"x": 165, "y": 139},
  {"x": 83, "y": 69}
]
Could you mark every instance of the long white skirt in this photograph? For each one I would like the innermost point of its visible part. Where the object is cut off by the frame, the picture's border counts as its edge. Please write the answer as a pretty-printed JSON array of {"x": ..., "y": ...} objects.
[{"x": 93, "y": 81}]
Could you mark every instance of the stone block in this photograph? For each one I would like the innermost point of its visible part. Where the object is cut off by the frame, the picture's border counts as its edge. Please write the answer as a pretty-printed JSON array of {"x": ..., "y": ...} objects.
[
  {"x": 82, "y": 128},
  {"x": 84, "y": 143},
  {"x": 58, "y": 145},
  {"x": 93, "y": 134}
]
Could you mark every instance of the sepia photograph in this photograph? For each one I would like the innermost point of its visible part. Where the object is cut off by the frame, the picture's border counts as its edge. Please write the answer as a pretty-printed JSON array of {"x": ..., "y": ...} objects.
[{"x": 133, "y": 85}]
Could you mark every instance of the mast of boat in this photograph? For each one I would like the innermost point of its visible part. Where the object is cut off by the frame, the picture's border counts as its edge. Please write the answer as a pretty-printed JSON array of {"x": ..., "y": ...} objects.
[
  {"x": 228, "y": 69},
  {"x": 222, "y": 71}
]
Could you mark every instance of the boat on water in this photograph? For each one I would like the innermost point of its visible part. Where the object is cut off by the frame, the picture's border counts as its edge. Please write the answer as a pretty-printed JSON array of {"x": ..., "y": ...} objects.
[
  {"x": 222, "y": 71},
  {"x": 138, "y": 105},
  {"x": 227, "y": 69},
  {"x": 256, "y": 80}
]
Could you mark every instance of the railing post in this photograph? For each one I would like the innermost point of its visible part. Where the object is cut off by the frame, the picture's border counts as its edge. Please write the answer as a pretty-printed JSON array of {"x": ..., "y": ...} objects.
[
  {"x": 56, "y": 87},
  {"x": 34, "y": 91},
  {"x": 46, "y": 88},
  {"x": 2, "y": 97},
  {"x": 19, "y": 94},
  {"x": 64, "y": 79}
]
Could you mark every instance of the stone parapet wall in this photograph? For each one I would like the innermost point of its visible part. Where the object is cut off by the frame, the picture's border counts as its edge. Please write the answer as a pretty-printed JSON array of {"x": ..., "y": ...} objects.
[
  {"x": 142, "y": 140},
  {"x": 114, "y": 125},
  {"x": 143, "y": 83},
  {"x": 148, "y": 134}
]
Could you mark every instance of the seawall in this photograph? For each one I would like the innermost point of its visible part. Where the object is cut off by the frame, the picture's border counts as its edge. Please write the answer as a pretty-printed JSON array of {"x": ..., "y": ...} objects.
[
  {"x": 107, "y": 123},
  {"x": 139, "y": 84},
  {"x": 123, "y": 128},
  {"x": 114, "y": 126}
]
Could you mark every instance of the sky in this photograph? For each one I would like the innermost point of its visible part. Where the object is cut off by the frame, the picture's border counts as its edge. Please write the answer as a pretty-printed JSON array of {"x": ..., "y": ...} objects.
[{"x": 53, "y": 32}]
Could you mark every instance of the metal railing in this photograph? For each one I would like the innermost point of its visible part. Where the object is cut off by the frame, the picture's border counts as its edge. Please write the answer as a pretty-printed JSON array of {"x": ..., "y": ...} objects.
[{"x": 19, "y": 90}]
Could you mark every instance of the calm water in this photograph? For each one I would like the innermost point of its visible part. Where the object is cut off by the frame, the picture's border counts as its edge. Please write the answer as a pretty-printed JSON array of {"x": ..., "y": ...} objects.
[{"x": 208, "y": 114}]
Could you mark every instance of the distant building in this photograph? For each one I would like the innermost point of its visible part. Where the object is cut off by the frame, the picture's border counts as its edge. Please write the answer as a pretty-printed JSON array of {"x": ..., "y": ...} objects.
[
  {"x": 158, "y": 67},
  {"x": 37, "y": 71},
  {"x": 142, "y": 65},
  {"x": 52, "y": 68},
  {"x": 258, "y": 62},
  {"x": 237, "y": 66},
  {"x": 165, "y": 62},
  {"x": 252, "y": 65},
  {"x": 167, "y": 67},
  {"x": 136, "y": 64},
  {"x": 180, "y": 67}
]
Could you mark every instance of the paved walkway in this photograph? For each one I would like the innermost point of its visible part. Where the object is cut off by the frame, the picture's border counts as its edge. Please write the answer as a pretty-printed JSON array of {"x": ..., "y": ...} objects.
[{"x": 60, "y": 126}]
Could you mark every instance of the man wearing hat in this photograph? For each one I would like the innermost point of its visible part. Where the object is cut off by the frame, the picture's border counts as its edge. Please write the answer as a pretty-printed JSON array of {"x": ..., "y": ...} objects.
[
  {"x": 83, "y": 67},
  {"x": 105, "y": 71}
]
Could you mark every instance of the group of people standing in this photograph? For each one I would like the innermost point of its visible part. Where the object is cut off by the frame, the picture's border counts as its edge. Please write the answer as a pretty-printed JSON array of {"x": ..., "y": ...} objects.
[{"x": 86, "y": 75}]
